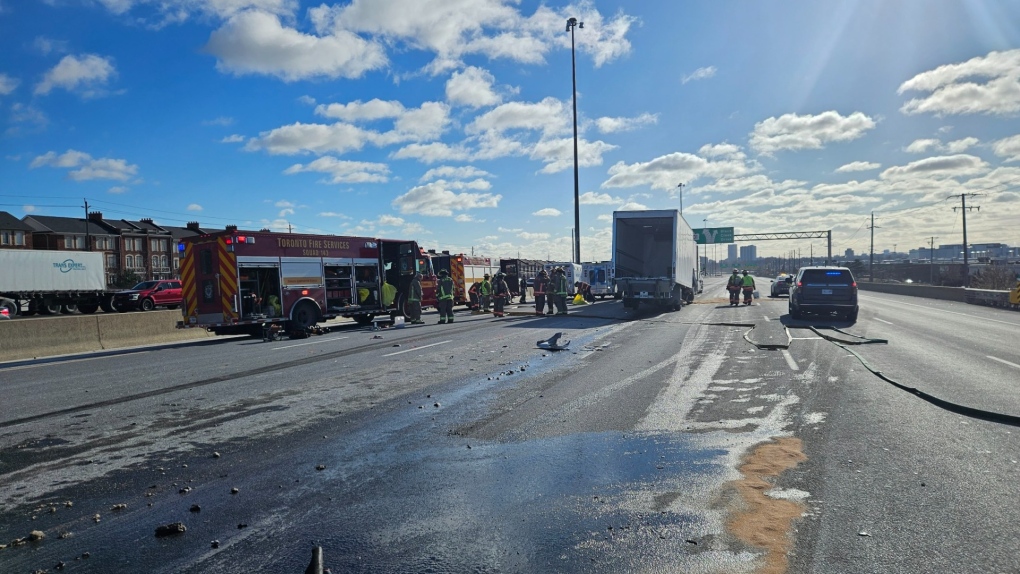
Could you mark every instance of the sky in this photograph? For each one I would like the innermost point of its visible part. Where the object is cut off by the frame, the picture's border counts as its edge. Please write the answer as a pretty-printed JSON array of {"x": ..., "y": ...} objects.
[{"x": 451, "y": 121}]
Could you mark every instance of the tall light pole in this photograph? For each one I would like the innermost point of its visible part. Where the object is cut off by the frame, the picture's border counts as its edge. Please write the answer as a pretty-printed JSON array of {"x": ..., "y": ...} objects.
[
  {"x": 704, "y": 226},
  {"x": 571, "y": 24},
  {"x": 681, "y": 188}
]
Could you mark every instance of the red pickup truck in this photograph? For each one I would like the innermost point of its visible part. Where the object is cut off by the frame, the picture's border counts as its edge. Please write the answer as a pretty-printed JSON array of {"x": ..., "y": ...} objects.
[{"x": 148, "y": 295}]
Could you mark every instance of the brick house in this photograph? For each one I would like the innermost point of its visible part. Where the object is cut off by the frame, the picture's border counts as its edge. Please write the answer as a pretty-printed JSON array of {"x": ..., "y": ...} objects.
[{"x": 14, "y": 233}]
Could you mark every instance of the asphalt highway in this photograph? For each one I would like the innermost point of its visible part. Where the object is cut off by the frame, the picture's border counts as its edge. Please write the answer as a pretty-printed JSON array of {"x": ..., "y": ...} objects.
[{"x": 658, "y": 442}]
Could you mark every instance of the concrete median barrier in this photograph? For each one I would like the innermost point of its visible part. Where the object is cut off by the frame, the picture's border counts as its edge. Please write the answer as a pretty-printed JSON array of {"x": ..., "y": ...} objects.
[
  {"x": 914, "y": 290},
  {"x": 46, "y": 337}
]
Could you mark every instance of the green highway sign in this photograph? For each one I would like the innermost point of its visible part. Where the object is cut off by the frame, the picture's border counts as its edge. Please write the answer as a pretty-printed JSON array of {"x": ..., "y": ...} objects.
[{"x": 709, "y": 235}]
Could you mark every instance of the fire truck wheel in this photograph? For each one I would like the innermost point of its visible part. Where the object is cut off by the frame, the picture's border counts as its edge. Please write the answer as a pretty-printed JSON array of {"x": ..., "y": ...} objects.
[
  {"x": 401, "y": 309},
  {"x": 305, "y": 316},
  {"x": 364, "y": 319}
]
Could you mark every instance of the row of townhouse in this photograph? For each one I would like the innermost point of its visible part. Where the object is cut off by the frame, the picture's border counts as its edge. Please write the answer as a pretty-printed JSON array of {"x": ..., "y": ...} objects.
[{"x": 145, "y": 248}]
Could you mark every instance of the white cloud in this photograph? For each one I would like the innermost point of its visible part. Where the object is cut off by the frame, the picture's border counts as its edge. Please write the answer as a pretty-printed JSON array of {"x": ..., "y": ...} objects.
[
  {"x": 437, "y": 199},
  {"x": 316, "y": 138},
  {"x": 956, "y": 146},
  {"x": 632, "y": 206},
  {"x": 699, "y": 74},
  {"x": 613, "y": 125},
  {"x": 7, "y": 84},
  {"x": 47, "y": 46},
  {"x": 344, "y": 171},
  {"x": 432, "y": 152},
  {"x": 446, "y": 171},
  {"x": 472, "y": 88},
  {"x": 174, "y": 11},
  {"x": 357, "y": 110},
  {"x": 548, "y": 212},
  {"x": 558, "y": 154},
  {"x": 723, "y": 150},
  {"x": 666, "y": 171},
  {"x": 592, "y": 198},
  {"x": 194, "y": 207},
  {"x": 941, "y": 167},
  {"x": 464, "y": 218},
  {"x": 87, "y": 167},
  {"x": 254, "y": 42},
  {"x": 793, "y": 132},
  {"x": 86, "y": 75},
  {"x": 550, "y": 117},
  {"x": 233, "y": 138},
  {"x": 955, "y": 89},
  {"x": 333, "y": 214},
  {"x": 527, "y": 236},
  {"x": 117, "y": 189},
  {"x": 858, "y": 166},
  {"x": 1008, "y": 148}
]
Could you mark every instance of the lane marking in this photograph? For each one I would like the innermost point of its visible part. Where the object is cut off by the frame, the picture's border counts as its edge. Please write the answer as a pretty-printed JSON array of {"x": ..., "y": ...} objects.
[
  {"x": 806, "y": 339},
  {"x": 969, "y": 316},
  {"x": 789, "y": 360},
  {"x": 1003, "y": 361},
  {"x": 417, "y": 348},
  {"x": 67, "y": 362},
  {"x": 884, "y": 321},
  {"x": 312, "y": 343}
]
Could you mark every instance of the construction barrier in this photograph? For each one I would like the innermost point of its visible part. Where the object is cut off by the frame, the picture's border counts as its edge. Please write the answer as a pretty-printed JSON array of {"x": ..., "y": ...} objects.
[{"x": 49, "y": 336}]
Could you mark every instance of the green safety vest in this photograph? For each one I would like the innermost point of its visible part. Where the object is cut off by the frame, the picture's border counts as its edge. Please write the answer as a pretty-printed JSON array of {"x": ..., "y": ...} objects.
[
  {"x": 748, "y": 281},
  {"x": 445, "y": 288},
  {"x": 486, "y": 287},
  {"x": 561, "y": 284}
]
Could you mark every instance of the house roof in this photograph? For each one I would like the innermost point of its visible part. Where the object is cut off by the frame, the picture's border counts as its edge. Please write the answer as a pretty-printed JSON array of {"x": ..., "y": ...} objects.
[
  {"x": 9, "y": 222},
  {"x": 55, "y": 224}
]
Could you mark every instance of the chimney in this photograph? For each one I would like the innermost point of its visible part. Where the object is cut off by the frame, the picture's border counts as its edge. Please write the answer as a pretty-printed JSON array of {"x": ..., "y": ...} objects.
[
  {"x": 147, "y": 220},
  {"x": 95, "y": 216},
  {"x": 193, "y": 226},
  {"x": 264, "y": 230},
  {"x": 231, "y": 228}
]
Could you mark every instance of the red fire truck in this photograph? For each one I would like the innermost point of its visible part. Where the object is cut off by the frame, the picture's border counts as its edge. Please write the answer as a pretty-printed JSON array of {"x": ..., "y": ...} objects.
[
  {"x": 465, "y": 270},
  {"x": 237, "y": 281}
]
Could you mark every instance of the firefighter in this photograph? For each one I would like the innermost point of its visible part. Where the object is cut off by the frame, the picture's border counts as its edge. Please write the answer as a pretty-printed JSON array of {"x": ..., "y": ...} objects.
[
  {"x": 501, "y": 292},
  {"x": 541, "y": 287},
  {"x": 559, "y": 281},
  {"x": 747, "y": 283},
  {"x": 414, "y": 300},
  {"x": 444, "y": 294},
  {"x": 585, "y": 290},
  {"x": 485, "y": 290},
  {"x": 733, "y": 286},
  {"x": 523, "y": 288}
]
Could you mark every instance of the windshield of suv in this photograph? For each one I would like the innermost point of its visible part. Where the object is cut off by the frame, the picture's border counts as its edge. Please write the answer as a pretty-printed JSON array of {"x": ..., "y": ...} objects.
[
  {"x": 145, "y": 285},
  {"x": 828, "y": 276}
]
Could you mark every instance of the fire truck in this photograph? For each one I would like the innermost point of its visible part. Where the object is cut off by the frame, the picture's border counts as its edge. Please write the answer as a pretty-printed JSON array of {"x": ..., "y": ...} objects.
[
  {"x": 465, "y": 270},
  {"x": 239, "y": 281}
]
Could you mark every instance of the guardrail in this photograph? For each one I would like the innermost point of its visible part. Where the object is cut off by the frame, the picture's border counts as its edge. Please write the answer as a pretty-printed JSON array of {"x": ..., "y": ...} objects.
[{"x": 990, "y": 297}]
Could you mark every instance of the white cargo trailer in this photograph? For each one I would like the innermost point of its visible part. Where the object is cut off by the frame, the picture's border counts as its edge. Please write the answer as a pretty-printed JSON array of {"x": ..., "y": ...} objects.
[
  {"x": 47, "y": 281},
  {"x": 655, "y": 258}
]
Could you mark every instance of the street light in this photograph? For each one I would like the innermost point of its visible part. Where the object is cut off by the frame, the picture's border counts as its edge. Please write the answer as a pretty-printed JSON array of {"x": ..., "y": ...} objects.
[
  {"x": 681, "y": 188},
  {"x": 704, "y": 226},
  {"x": 571, "y": 24}
]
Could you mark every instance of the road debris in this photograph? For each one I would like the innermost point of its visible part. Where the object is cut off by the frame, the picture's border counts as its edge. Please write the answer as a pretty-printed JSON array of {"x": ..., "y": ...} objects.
[
  {"x": 553, "y": 343},
  {"x": 170, "y": 529}
]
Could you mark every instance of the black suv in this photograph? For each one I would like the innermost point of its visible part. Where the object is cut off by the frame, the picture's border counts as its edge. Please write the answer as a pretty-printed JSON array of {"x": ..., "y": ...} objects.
[{"x": 824, "y": 290}]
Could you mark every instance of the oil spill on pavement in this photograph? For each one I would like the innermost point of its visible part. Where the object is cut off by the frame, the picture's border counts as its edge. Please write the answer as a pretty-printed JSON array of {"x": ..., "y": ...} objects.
[{"x": 759, "y": 519}]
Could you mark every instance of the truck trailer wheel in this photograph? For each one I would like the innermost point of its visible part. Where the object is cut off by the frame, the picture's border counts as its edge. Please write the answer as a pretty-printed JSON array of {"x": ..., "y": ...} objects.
[
  {"x": 106, "y": 304},
  {"x": 68, "y": 309},
  {"x": 88, "y": 308}
]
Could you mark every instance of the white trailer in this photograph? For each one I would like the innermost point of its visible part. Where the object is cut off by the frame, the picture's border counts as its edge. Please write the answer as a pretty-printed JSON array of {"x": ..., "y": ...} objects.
[
  {"x": 655, "y": 258},
  {"x": 48, "y": 282},
  {"x": 573, "y": 271}
]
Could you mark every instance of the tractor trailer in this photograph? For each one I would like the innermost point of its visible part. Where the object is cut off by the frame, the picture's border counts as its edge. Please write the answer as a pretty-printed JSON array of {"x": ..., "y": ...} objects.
[{"x": 48, "y": 282}]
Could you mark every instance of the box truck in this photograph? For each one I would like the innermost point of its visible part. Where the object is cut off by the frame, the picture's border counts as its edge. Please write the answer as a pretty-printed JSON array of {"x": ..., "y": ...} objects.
[
  {"x": 48, "y": 282},
  {"x": 655, "y": 258}
]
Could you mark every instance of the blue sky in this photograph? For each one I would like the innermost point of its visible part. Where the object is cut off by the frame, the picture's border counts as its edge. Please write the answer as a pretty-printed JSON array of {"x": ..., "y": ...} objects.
[{"x": 449, "y": 121}]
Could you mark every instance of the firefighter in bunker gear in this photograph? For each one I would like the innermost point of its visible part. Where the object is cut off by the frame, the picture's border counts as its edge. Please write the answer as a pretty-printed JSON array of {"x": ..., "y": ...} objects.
[
  {"x": 541, "y": 288},
  {"x": 414, "y": 300},
  {"x": 559, "y": 281},
  {"x": 501, "y": 292},
  {"x": 485, "y": 290},
  {"x": 444, "y": 294},
  {"x": 747, "y": 283},
  {"x": 733, "y": 286}
]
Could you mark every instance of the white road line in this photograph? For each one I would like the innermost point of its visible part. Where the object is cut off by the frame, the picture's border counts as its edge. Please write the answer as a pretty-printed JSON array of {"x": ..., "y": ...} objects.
[
  {"x": 417, "y": 348},
  {"x": 884, "y": 321},
  {"x": 766, "y": 317},
  {"x": 806, "y": 339},
  {"x": 789, "y": 360},
  {"x": 312, "y": 343},
  {"x": 1004, "y": 362},
  {"x": 957, "y": 313}
]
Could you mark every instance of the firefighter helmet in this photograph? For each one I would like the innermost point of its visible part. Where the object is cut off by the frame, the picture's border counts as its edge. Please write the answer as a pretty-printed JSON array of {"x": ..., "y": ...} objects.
[
  {"x": 443, "y": 272},
  {"x": 486, "y": 276}
]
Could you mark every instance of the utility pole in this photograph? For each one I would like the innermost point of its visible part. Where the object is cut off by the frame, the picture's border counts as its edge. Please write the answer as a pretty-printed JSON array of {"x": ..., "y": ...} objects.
[
  {"x": 931, "y": 254},
  {"x": 871, "y": 260},
  {"x": 963, "y": 209},
  {"x": 681, "y": 188},
  {"x": 88, "y": 237}
]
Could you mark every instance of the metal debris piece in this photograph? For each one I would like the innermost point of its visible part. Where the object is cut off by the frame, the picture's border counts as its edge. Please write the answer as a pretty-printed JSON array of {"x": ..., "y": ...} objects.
[
  {"x": 553, "y": 343},
  {"x": 170, "y": 529}
]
